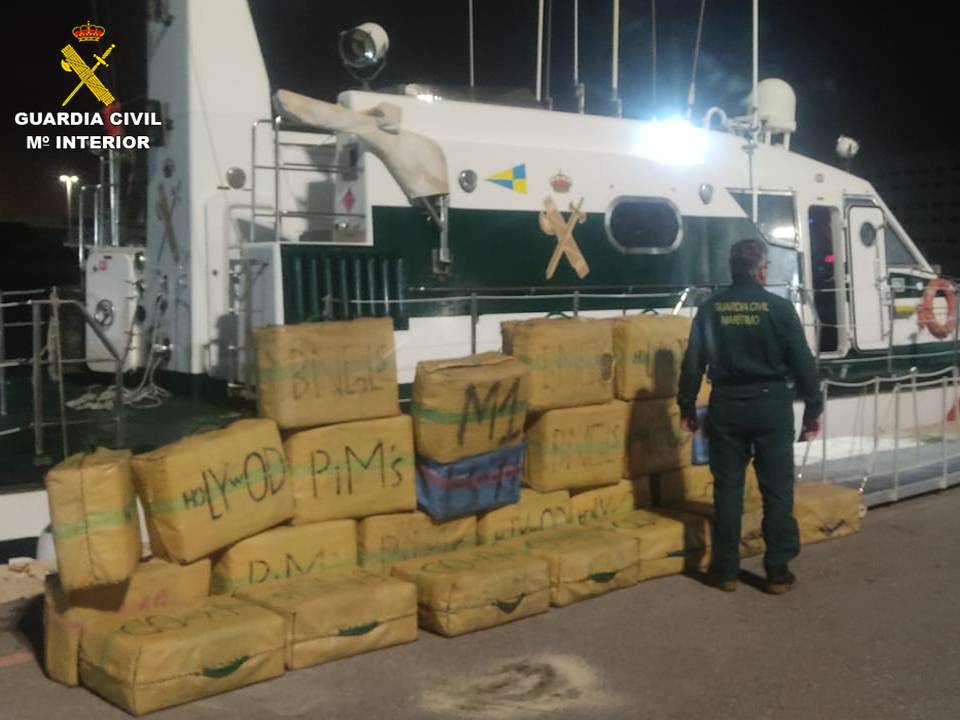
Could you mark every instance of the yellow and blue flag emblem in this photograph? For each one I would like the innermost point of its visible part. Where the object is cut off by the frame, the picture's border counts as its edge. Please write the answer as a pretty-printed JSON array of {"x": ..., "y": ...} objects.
[{"x": 514, "y": 178}]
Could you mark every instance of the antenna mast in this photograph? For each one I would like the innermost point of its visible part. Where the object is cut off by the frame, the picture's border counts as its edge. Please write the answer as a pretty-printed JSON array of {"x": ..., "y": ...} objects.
[
  {"x": 615, "y": 64},
  {"x": 470, "y": 25},
  {"x": 539, "y": 51},
  {"x": 754, "y": 110},
  {"x": 692, "y": 93},
  {"x": 578, "y": 88}
]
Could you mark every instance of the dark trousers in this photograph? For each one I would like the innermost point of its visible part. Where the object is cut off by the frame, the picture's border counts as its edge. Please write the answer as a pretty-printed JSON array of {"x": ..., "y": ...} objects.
[{"x": 743, "y": 421}]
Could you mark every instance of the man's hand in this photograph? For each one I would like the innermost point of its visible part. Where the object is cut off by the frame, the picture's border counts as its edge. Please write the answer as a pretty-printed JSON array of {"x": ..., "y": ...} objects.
[
  {"x": 811, "y": 428},
  {"x": 690, "y": 424}
]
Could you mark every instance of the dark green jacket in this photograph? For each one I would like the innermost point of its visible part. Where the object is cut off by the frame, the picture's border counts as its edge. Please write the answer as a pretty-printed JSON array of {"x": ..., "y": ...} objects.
[{"x": 745, "y": 334}]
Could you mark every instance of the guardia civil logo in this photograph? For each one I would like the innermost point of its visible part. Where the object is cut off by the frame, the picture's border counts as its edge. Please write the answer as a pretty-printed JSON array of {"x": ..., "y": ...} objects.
[{"x": 72, "y": 62}]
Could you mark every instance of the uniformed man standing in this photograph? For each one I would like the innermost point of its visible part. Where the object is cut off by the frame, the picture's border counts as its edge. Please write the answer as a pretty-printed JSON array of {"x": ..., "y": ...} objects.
[{"x": 750, "y": 341}]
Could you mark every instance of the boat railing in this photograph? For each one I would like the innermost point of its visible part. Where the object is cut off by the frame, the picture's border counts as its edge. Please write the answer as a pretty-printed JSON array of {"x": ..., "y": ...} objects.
[
  {"x": 38, "y": 303},
  {"x": 319, "y": 147}
]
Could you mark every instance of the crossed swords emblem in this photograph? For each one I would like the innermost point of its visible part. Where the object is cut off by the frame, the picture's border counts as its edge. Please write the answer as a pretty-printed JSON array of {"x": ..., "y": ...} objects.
[
  {"x": 552, "y": 223},
  {"x": 72, "y": 62}
]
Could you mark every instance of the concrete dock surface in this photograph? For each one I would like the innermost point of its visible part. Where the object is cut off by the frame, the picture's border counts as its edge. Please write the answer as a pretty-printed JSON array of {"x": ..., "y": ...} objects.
[{"x": 872, "y": 631}]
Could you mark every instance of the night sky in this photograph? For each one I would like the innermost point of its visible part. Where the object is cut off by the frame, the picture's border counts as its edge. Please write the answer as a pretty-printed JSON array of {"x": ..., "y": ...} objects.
[{"x": 858, "y": 69}]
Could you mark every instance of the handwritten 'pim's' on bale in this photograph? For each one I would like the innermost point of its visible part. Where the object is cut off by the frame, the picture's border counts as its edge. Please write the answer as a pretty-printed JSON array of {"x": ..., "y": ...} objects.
[
  {"x": 576, "y": 447},
  {"x": 210, "y": 490},
  {"x": 322, "y": 373},
  {"x": 584, "y": 561},
  {"x": 474, "y": 589},
  {"x": 386, "y": 539},
  {"x": 535, "y": 511},
  {"x": 155, "y": 585},
  {"x": 468, "y": 406},
  {"x": 339, "y": 614},
  {"x": 571, "y": 360},
  {"x": 93, "y": 513},
  {"x": 285, "y": 552},
  {"x": 155, "y": 660},
  {"x": 353, "y": 469}
]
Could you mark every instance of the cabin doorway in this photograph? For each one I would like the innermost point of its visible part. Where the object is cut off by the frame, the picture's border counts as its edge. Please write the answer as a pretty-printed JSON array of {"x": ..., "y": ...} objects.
[
  {"x": 823, "y": 270},
  {"x": 868, "y": 276}
]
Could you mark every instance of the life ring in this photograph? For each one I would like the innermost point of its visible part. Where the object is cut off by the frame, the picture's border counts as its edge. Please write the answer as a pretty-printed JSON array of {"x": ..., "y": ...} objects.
[{"x": 926, "y": 318}]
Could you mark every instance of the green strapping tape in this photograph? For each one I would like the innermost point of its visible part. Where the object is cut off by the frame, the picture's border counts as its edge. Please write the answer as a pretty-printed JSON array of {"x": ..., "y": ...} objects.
[
  {"x": 95, "y": 521},
  {"x": 509, "y": 606},
  {"x": 358, "y": 629},
  {"x": 446, "y": 417},
  {"x": 224, "y": 670},
  {"x": 603, "y": 577}
]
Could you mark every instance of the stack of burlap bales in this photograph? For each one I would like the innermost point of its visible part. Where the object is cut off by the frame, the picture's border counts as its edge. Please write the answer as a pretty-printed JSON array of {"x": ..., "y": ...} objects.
[{"x": 278, "y": 551}]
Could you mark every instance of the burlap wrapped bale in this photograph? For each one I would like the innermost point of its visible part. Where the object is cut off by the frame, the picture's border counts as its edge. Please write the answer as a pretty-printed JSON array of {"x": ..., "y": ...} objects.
[
  {"x": 584, "y": 561},
  {"x": 210, "y": 490},
  {"x": 535, "y": 511},
  {"x": 93, "y": 514},
  {"x": 322, "y": 373},
  {"x": 156, "y": 660},
  {"x": 661, "y": 540},
  {"x": 825, "y": 511},
  {"x": 468, "y": 406},
  {"x": 471, "y": 485},
  {"x": 335, "y": 615},
  {"x": 285, "y": 552},
  {"x": 602, "y": 502},
  {"x": 751, "y": 526},
  {"x": 695, "y": 484},
  {"x": 648, "y": 350},
  {"x": 474, "y": 589},
  {"x": 577, "y": 447},
  {"x": 655, "y": 440},
  {"x": 155, "y": 585},
  {"x": 386, "y": 539},
  {"x": 352, "y": 470},
  {"x": 571, "y": 360}
]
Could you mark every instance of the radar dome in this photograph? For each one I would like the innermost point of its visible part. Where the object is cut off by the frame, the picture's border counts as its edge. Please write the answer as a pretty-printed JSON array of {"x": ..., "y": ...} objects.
[{"x": 777, "y": 106}]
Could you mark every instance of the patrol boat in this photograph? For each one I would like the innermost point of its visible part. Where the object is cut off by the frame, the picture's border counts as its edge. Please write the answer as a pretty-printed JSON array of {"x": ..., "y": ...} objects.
[{"x": 449, "y": 216}]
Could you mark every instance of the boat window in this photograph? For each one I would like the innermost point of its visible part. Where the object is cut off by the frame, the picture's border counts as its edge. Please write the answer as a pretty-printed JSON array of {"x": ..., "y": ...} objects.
[
  {"x": 775, "y": 215},
  {"x": 643, "y": 225},
  {"x": 897, "y": 251}
]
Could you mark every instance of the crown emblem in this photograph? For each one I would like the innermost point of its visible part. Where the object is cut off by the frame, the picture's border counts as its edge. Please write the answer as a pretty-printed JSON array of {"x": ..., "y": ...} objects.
[
  {"x": 89, "y": 32},
  {"x": 560, "y": 182}
]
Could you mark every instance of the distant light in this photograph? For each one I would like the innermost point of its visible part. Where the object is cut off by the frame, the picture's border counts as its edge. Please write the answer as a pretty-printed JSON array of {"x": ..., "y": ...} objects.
[
  {"x": 828, "y": 258},
  {"x": 784, "y": 232},
  {"x": 428, "y": 97},
  {"x": 672, "y": 142},
  {"x": 69, "y": 179}
]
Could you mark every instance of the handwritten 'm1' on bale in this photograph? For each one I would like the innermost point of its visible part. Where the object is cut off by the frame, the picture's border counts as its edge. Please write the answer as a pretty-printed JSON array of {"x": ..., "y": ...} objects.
[
  {"x": 210, "y": 490},
  {"x": 322, "y": 373},
  {"x": 468, "y": 406},
  {"x": 352, "y": 469}
]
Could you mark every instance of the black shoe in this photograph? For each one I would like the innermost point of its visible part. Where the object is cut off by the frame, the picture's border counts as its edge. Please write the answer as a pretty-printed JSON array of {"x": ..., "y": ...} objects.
[{"x": 780, "y": 580}]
